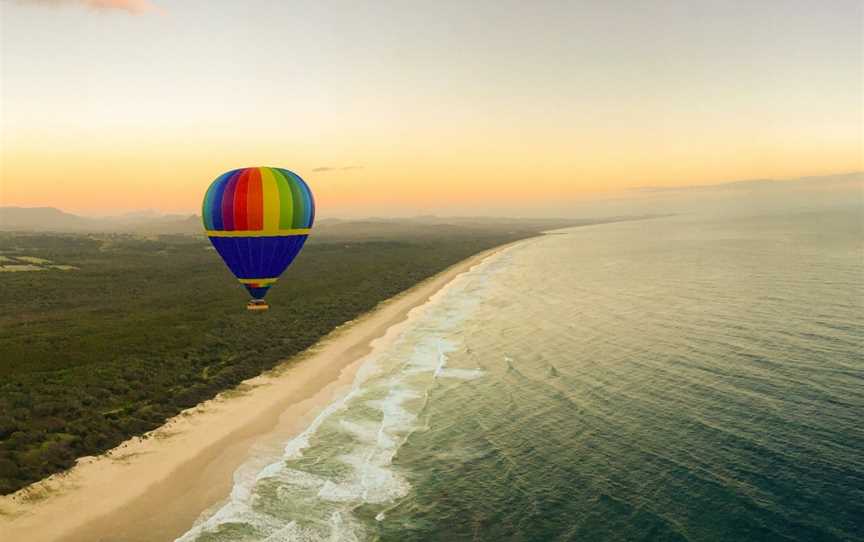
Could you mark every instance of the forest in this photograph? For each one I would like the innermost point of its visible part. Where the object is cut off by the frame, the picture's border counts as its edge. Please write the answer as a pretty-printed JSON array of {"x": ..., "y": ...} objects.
[{"x": 118, "y": 332}]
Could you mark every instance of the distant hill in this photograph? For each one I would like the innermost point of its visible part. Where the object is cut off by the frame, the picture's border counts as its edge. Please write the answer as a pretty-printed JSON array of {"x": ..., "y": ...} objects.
[
  {"x": 842, "y": 180},
  {"x": 42, "y": 218},
  {"x": 50, "y": 219},
  {"x": 169, "y": 224}
]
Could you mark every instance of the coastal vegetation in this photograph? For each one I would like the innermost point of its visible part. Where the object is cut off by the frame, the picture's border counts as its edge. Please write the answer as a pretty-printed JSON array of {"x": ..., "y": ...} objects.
[{"x": 145, "y": 327}]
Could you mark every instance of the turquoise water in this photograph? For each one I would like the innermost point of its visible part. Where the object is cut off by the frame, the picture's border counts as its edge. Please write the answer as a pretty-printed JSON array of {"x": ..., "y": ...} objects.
[{"x": 674, "y": 379}]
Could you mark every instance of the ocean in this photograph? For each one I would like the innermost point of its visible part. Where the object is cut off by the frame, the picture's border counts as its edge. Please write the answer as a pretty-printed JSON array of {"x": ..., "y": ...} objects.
[{"x": 684, "y": 378}]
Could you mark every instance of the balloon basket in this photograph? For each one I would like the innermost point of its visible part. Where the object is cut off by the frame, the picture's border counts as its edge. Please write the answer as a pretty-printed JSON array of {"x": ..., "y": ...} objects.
[{"x": 257, "y": 305}]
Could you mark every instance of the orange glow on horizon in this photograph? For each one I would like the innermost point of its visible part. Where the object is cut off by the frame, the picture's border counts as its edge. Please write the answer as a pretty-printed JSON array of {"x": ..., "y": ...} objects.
[
  {"x": 170, "y": 177},
  {"x": 105, "y": 113}
]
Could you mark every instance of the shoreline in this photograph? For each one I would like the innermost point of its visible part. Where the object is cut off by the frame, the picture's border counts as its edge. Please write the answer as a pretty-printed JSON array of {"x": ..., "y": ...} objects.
[{"x": 161, "y": 483}]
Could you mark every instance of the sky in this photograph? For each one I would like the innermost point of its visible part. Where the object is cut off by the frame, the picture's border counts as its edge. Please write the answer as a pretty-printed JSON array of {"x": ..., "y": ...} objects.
[{"x": 404, "y": 108}]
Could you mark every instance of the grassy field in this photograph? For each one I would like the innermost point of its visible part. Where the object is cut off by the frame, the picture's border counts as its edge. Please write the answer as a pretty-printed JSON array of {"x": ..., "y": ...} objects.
[{"x": 142, "y": 328}]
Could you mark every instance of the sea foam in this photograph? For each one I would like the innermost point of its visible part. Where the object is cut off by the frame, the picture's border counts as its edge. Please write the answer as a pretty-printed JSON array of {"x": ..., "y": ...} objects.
[{"x": 344, "y": 458}]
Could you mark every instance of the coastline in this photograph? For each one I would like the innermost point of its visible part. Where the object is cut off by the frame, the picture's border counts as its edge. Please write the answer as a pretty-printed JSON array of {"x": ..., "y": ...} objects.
[{"x": 155, "y": 487}]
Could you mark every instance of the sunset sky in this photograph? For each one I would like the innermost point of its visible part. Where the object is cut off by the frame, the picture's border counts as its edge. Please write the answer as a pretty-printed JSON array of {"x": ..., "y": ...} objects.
[{"x": 421, "y": 107}]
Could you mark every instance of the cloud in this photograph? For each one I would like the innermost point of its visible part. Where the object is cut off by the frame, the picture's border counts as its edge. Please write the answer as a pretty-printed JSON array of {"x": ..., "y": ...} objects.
[
  {"x": 822, "y": 181},
  {"x": 733, "y": 185},
  {"x": 326, "y": 169},
  {"x": 135, "y": 7}
]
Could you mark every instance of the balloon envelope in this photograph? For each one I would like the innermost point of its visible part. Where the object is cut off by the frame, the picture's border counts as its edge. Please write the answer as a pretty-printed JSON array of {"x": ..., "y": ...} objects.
[{"x": 258, "y": 219}]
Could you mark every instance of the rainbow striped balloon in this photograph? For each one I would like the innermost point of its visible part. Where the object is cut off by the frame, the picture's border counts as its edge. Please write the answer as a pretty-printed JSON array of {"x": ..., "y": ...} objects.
[{"x": 258, "y": 219}]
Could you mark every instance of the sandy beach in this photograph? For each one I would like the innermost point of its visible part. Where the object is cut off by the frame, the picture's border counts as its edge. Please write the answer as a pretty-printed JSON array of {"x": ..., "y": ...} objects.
[{"x": 153, "y": 488}]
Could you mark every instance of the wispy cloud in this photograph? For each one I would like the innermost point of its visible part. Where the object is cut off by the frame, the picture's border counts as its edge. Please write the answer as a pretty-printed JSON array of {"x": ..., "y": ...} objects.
[
  {"x": 135, "y": 7},
  {"x": 733, "y": 185},
  {"x": 762, "y": 184},
  {"x": 326, "y": 169}
]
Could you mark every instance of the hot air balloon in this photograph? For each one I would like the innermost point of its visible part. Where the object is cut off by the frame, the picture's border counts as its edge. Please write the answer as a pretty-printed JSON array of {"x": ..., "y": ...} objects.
[{"x": 258, "y": 219}]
